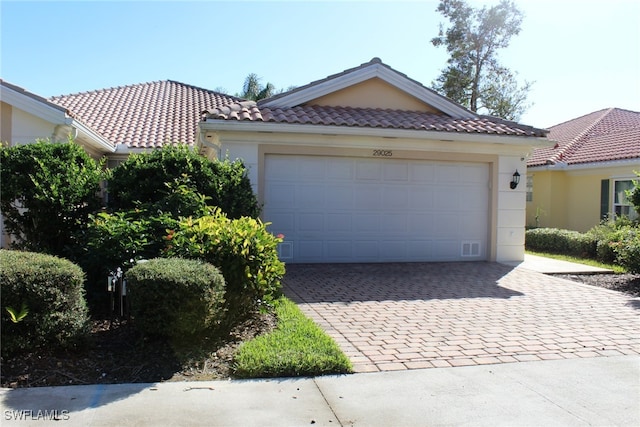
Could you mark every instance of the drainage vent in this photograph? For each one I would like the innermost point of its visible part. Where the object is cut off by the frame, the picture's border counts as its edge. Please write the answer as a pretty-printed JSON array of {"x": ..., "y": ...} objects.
[{"x": 470, "y": 248}]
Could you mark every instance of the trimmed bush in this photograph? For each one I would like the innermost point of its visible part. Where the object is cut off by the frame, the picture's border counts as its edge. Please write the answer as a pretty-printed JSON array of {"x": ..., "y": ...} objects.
[
  {"x": 51, "y": 290},
  {"x": 176, "y": 298},
  {"x": 244, "y": 251},
  {"x": 560, "y": 241}
]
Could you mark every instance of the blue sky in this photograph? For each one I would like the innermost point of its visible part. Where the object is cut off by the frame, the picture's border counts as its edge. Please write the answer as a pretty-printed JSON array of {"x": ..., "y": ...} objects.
[{"x": 582, "y": 55}]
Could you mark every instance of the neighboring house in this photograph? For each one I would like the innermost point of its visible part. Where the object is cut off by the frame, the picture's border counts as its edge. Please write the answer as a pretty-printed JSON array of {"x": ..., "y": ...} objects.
[
  {"x": 366, "y": 165},
  {"x": 582, "y": 178}
]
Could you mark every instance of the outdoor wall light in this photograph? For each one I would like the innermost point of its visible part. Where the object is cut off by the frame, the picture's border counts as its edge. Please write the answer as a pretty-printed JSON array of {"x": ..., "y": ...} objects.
[{"x": 515, "y": 180}]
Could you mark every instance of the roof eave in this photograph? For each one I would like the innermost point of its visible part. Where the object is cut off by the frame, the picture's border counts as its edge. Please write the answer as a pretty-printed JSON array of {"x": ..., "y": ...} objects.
[{"x": 267, "y": 127}]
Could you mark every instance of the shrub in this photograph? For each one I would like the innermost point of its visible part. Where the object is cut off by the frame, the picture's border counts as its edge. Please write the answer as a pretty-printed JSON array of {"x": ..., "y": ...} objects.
[
  {"x": 176, "y": 298},
  {"x": 142, "y": 180},
  {"x": 244, "y": 251},
  {"x": 628, "y": 250},
  {"x": 50, "y": 288},
  {"x": 608, "y": 235},
  {"x": 560, "y": 241},
  {"x": 47, "y": 193}
]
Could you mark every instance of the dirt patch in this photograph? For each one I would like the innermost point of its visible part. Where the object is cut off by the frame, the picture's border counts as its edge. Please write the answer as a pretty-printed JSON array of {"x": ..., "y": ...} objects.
[{"x": 116, "y": 353}]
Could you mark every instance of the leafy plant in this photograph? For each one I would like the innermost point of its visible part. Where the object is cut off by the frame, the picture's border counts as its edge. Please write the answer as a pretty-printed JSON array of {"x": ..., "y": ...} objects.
[
  {"x": 48, "y": 191},
  {"x": 18, "y": 316},
  {"x": 244, "y": 251}
]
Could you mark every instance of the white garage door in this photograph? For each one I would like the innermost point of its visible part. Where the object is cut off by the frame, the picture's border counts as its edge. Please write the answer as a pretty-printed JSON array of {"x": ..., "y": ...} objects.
[{"x": 340, "y": 209}]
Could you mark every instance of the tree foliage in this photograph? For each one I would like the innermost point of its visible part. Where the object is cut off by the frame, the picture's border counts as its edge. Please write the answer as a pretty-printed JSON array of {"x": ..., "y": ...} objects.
[
  {"x": 473, "y": 76},
  {"x": 160, "y": 180},
  {"x": 254, "y": 90},
  {"x": 48, "y": 191}
]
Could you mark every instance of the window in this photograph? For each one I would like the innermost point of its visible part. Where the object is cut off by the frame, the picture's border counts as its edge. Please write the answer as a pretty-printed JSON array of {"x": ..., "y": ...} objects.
[
  {"x": 621, "y": 204},
  {"x": 529, "y": 188}
]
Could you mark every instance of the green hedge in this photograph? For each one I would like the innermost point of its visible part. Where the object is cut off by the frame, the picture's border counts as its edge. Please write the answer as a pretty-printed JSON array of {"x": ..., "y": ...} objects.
[
  {"x": 561, "y": 241},
  {"x": 176, "y": 298},
  {"x": 51, "y": 290}
]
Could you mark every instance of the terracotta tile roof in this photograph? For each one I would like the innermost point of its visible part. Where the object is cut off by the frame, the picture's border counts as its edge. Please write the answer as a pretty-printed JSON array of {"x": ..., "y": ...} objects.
[
  {"x": 144, "y": 115},
  {"x": 605, "y": 135},
  {"x": 368, "y": 117}
]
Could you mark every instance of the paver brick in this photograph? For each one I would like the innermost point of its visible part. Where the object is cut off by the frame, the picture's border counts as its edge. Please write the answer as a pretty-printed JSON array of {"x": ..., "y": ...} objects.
[{"x": 430, "y": 315}]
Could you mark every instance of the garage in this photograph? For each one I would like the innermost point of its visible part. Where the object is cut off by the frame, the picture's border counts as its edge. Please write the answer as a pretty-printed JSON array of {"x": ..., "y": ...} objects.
[{"x": 376, "y": 209}]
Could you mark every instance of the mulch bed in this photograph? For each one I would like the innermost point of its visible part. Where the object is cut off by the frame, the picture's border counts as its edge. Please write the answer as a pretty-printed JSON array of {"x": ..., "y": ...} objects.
[
  {"x": 626, "y": 283},
  {"x": 116, "y": 353}
]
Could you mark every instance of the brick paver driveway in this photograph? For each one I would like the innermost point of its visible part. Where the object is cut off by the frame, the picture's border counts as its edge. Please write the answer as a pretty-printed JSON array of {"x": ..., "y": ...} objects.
[{"x": 407, "y": 316}]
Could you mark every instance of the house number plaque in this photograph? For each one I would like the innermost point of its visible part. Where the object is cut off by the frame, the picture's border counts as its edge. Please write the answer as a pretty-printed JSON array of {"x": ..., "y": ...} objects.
[{"x": 382, "y": 153}]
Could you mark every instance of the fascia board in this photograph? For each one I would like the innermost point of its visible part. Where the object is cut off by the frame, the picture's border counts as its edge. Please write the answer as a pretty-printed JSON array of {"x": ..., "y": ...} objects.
[
  {"x": 42, "y": 109},
  {"x": 97, "y": 140},
  {"x": 585, "y": 166},
  {"x": 262, "y": 127},
  {"x": 375, "y": 70}
]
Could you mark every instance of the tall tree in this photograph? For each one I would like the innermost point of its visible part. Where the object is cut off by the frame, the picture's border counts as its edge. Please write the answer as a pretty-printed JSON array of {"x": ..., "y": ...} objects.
[{"x": 473, "y": 76}]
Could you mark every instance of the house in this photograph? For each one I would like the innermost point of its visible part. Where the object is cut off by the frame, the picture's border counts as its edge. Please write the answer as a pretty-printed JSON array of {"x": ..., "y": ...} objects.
[
  {"x": 582, "y": 179},
  {"x": 367, "y": 165}
]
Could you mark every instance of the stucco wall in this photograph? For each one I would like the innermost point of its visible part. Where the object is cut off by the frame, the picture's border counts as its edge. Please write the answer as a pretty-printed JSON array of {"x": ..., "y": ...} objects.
[
  {"x": 510, "y": 210},
  {"x": 374, "y": 93},
  {"x": 26, "y": 128}
]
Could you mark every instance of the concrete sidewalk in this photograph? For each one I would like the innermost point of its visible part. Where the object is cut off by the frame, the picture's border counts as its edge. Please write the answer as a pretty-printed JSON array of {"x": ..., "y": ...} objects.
[
  {"x": 555, "y": 266},
  {"x": 601, "y": 391}
]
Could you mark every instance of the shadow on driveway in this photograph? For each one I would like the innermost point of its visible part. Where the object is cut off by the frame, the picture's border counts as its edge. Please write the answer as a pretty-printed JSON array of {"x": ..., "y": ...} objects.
[{"x": 314, "y": 283}]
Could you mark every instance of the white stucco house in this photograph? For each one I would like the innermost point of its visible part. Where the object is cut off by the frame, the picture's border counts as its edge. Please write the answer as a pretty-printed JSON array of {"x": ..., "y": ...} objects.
[{"x": 367, "y": 165}]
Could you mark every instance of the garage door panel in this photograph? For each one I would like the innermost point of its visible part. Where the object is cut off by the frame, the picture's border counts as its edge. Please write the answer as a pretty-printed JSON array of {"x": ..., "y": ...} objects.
[
  {"x": 339, "y": 222},
  {"x": 447, "y": 173},
  {"x": 395, "y": 197},
  {"x": 281, "y": 195},
  {"x": 340, "y": 169},
  {"x": 337, "y": 250},
  {"x": 366, "y": 250},
  {"x": 368, "y": 223},
  {"x": 395, "y": 223},
  {"x": 446, "y": 249},
  {"x": 420, "y": 198},
  {"x": 312, "y": 168},
  {"x": 372, "y": 210},
  {"x": 367, "y": 197},
  {"x": 368, "y": 170},
  {"x": 340, "y": 197},
  {"x": 396, "y": 171},
  {"x": 445, "y": 199},
  {"x": 310, "y": 197},
  {"x": 310, "y": 222},
  {"x": 422, "y": 172}
]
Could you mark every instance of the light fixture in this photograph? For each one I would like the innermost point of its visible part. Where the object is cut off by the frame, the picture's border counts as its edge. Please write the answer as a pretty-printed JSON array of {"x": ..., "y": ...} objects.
[{"x": 515, "y": 180}]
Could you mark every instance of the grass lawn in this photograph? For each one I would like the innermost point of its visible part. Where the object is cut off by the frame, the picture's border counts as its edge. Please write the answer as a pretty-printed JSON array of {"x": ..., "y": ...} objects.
[
  {"x": 296, "y": 347},
  {"x": 587, "y": 261}
]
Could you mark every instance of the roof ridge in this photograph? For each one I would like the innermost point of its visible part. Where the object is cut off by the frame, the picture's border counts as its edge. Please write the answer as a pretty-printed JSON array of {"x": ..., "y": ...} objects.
[
  {"x": 578, "y": 139},
  {"x": 106, "y": 89}
]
